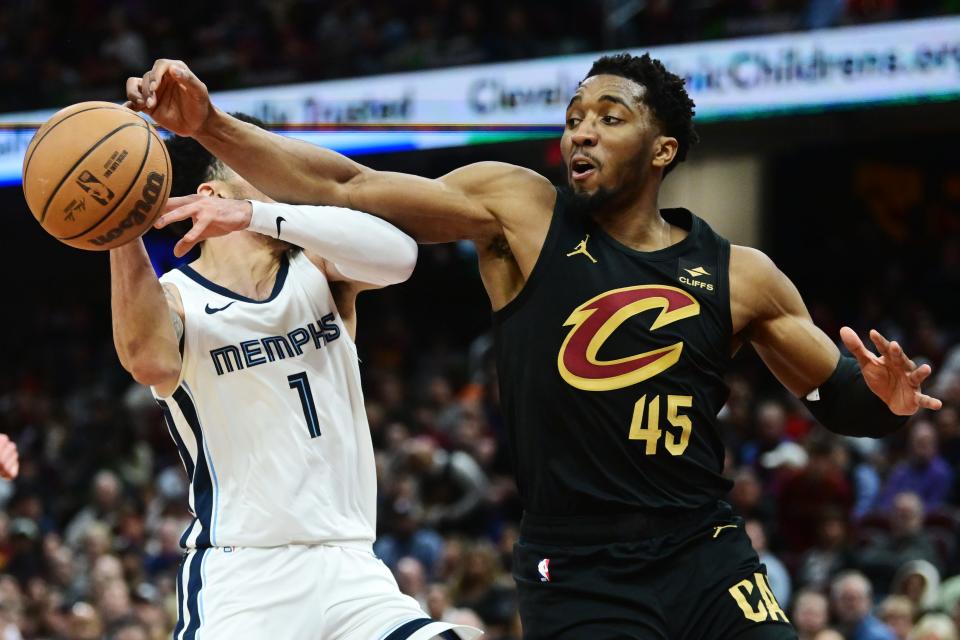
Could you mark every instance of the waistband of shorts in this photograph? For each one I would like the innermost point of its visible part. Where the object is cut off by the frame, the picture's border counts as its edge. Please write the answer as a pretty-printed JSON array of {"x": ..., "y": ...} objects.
[{"x": 618, "y": 527}]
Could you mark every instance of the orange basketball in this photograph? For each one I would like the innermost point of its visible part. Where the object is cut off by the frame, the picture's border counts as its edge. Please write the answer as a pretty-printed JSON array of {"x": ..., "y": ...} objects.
[{"x": 96, "y": 175}]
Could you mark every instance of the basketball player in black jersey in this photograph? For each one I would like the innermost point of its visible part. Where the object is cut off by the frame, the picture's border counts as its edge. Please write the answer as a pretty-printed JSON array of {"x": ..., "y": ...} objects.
[{"x": 615, "y": 324}]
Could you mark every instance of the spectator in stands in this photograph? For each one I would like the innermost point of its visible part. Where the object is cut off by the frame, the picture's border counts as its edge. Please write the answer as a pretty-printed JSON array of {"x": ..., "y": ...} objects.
[
  {"x": 9, "y": 458},
  {"x": 747, "y": 496},
  {"x": 404, "y": 534},
  {"x": 770, "y": 429},
  {"x": 906, "y": 541},
  {"x": 451, "y": 485},
  {"x": 934, "y": 626},
  {"x": 811, "y": 613},
  {"x": 482, "y": 587},
  {"x": 830, "y": 555},
  {"x": 809, "y": 493},
  {"x": 852, "y": 599},
  {"x": 776, "y": 572},
  {"x": 104, "y": 507},
  {"x": 898, "y": 613},
  {"x": 924, "y": 472},
  {"x": 412, "y": 580},
  {"x": 919, "y": 582}
]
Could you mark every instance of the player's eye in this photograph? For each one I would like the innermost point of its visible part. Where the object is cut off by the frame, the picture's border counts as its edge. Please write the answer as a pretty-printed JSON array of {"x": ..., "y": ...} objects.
[
  {"x": 611, "y": 120},
  {"x": 573, "y": 122}
]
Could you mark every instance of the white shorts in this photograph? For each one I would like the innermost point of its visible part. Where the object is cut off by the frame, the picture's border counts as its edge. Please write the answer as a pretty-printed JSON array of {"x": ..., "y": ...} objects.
[{"x": 298, "y": 593}]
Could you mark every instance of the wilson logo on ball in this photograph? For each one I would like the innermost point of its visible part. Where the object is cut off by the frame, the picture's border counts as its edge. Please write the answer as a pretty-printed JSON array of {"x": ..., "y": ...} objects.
[{"x": 148, "y": 198}]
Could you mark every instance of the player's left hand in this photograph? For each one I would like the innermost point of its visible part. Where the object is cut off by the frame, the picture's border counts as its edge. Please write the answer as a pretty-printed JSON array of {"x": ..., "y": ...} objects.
[
  {"x": 9, "y": 458},
  {"x": 894, "y": 377},
  {"x": 211, "y": 217}
]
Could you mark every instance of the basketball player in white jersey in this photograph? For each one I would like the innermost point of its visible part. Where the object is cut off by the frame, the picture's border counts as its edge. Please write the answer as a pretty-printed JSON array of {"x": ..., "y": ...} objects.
[{"x": 250, "y": 353}]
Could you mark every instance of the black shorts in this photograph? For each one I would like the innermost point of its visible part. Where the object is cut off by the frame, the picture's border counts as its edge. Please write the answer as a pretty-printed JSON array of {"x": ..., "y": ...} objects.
[{"x": 702, "y": 581}]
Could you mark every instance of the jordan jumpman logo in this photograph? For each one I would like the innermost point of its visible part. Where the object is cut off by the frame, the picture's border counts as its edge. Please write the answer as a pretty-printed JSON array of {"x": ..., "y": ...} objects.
[{"x": 582, "y": 248}]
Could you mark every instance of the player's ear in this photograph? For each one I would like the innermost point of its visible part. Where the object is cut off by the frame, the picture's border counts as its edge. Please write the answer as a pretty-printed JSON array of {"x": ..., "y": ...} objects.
[
  {"x": 664, "y": 151},
  {"x": 207, "y": 189}
]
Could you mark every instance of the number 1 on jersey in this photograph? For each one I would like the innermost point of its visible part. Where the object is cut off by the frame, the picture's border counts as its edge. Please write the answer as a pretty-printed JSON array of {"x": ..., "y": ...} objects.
[{"x": 299, "y": 382}]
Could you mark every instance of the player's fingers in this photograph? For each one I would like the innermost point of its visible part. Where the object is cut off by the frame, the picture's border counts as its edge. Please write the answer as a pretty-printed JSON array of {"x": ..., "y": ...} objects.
[
  {"x": 856, "y": 347},
  {"x": 152, "y": 81},
  {"x": 881, "y": 343},
  {"x": 896, "y": 358},
  {"x": 929, "y": 402},
  {"x": 190, "y": 239},
  {"x": 918, "y": 375},
  {"x": 134, "y": 94},
  {"x": 9, "y": 460},
  {"x": 183, "y": 212},
  {"x": 180, "y": 201}
]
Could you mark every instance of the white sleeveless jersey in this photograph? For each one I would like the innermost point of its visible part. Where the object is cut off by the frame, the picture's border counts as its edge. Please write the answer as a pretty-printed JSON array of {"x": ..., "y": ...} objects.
[{"x": 268, "y": 416}]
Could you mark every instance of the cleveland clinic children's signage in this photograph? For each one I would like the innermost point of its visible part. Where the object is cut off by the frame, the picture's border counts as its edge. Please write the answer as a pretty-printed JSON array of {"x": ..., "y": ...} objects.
[{"x": 769, "y": 75}]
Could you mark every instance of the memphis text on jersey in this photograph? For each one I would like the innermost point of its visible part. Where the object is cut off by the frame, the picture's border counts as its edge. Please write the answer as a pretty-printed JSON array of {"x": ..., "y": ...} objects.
[{"x": 250, "y": 353}]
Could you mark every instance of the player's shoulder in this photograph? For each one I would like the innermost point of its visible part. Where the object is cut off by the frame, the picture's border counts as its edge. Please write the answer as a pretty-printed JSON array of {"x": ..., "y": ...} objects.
[
  {"x": 501, "y": 179},
  {"x": 750, "y": 264}
]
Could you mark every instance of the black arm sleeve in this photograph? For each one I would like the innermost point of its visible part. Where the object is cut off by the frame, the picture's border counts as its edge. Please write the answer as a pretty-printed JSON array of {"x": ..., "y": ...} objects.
[{"x": 847, "y": 406}]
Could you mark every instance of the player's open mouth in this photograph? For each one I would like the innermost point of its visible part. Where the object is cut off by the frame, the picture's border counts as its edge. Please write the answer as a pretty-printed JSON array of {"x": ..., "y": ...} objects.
[{"x": 581, "y": 168}]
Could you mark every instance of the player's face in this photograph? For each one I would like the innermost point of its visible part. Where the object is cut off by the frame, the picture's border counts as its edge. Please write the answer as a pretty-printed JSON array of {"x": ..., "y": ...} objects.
[{"x": 608, "y": 139}]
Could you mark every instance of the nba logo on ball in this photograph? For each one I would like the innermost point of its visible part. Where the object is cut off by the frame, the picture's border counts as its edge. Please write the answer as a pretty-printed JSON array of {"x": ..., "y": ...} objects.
[{"x": 544, "y": 569}]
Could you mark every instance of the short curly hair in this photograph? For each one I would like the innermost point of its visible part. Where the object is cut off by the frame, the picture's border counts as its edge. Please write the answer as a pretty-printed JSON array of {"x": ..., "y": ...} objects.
[
  {"x": 665, "y": 95},
  {"x": 193, "y": 164}
]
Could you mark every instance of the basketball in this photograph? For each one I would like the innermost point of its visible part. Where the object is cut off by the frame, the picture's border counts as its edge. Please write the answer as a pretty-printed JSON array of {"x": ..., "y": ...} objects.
[{"x": 96, "y": 175}]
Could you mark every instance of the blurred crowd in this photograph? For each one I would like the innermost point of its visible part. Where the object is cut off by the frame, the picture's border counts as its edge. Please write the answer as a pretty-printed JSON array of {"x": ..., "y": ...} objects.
[
  {"x": 859, "y": 536},
  {"x": 53, "y": 54}
]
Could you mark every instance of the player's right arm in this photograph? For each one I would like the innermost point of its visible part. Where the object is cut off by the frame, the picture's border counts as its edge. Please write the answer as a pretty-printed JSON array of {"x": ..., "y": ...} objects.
[
  {"x": 147, "y": 319},
  {"x": 478, "y": 202}
]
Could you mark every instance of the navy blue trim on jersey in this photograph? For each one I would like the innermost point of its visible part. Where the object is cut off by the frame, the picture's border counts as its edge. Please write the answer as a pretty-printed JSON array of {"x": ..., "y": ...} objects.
[
  {"x": 191, "y": 273},
  {"x": 194, "y": 585},
  {"x": 177, "y": 440},
  {"x": 407, "y": 629},
  {"x": 181, "y": 596},
  {"x": 202, "y": 478}
]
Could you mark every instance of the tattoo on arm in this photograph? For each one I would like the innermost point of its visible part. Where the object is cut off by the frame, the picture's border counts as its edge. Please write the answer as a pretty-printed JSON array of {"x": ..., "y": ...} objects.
[{"x": 174, "y": 316}]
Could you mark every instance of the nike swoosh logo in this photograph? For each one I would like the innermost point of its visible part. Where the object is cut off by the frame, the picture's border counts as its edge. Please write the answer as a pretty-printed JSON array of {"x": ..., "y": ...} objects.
[
  {"x": 212, "y": 310},
  {"x": 279, "y": 220}
]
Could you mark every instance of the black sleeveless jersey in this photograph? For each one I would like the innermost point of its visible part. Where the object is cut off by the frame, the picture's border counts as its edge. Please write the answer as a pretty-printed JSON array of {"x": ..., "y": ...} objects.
[{"x": 611, "y": 365}]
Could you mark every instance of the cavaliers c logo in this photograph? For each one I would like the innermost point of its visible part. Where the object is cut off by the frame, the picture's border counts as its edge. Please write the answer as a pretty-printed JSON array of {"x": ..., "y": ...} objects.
[{"x": 596, "y": 319}]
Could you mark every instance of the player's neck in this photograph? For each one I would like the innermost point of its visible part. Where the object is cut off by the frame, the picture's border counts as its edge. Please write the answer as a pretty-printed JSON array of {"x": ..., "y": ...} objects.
[
  {"x": 242, "y": 262},
  {"x": 638, "y": 223}
]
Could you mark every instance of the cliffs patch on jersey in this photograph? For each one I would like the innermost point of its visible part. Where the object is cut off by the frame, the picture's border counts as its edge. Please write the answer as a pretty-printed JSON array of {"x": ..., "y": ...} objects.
[
  {"x": 250, "y": 353},
  {"x": 595, "y": 320}
]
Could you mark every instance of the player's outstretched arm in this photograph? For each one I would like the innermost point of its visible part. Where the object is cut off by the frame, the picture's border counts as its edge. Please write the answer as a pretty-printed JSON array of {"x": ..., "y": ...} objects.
[
  {"x": 359, "y": 247},
  {"x": 465, "y": 204},
  {"x": 867, "y": 396},
  {"x": 147, "y": 319}
]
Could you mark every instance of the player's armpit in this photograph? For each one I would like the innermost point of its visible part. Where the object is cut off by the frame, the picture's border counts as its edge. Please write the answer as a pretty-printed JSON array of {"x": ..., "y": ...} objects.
[
  {"x": 176, "y": 308},
  {"x": 768, "y": 310}
]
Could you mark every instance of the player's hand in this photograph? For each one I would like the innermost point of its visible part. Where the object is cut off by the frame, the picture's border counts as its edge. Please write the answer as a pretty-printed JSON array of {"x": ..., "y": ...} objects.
[
  {"x": 894, "y": 377},
  {"x": 211, "y": 217},
  {"x": 9, "y": 458},
  {"x": 172, "y": 95}
]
